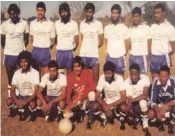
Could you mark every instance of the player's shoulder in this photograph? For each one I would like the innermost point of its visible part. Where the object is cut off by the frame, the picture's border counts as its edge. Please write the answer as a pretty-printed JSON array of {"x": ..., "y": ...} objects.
[
  {"x": 102, "y": 77},
  {"x": 121, "y": 24},
  {"x": 118, "y": 78},
  {"x": 6, "y": 22},
  {"x": 97, "y": 21},
  {"x": 86, "y": 71},
  {"x": 62, "y": 76},
  {"x": 144, "y": 76},
  {"x": 172, "y": 78},
  {"x": 18, "y": 72},
  {"x": 58, "y": 22},
  {"x": 34, "y": 71}
]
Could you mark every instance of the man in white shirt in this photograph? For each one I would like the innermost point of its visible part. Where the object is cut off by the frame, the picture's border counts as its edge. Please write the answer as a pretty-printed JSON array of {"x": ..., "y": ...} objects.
[
  {"x": 14, "y": 39},
  {"x": 136, "y": 87},
  {"x": 92, "y": 38},
  {"x": 140, "y": 41},
  {"x": 163, "y": 41},
  {"x": 67, "y": 38},
  {"x": 42, "y": 33},
  {"x": 53, "y": 101},
  {"x": 111, "y": 84},
  {"x": 26, "y": 79},
  {"x": 116, "y": 36}
]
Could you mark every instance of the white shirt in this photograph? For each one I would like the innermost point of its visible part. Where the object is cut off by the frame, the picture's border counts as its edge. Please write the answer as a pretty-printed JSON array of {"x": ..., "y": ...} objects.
[
  {"x": 42, "y": 33},
  {"x": 139, "y": 37},
  {"x": 14, "y": 34},
  {"x": 90, "y": 43},
  {"x": 161, "y": 36},
  {"x": 112, "y": 91},
  {"x": 26, "y": 81},
  {"x": 137, "y": 89},
  {"x": 116, "y": 36},
  {"x": 65, "y": 34},
  {"x": 53, "y": 88}
]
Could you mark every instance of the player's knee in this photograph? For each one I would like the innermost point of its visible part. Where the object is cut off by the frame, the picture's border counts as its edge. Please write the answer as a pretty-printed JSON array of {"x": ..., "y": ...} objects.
[
  {"x": 32, "y": 105},
  {"x": 9, "y": 101},
  {"x": 39, "y": 103},
  {"x": 123, "y": 108},
  {"x": 61, "y": 105},
  {"x": 151, "y": 114},
  {"x": 91, "y": 96},
  {"x": 95, "y": 107},
  {"x": 143, "y": 105}
]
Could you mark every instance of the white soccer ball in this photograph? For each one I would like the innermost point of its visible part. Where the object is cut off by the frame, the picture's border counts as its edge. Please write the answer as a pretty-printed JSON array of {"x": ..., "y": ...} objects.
[{"x": 65, "y": 126}]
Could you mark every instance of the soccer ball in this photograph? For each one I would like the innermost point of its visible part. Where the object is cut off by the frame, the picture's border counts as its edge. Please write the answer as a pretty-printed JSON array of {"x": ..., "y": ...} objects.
[{"x": 65, "y": 126}]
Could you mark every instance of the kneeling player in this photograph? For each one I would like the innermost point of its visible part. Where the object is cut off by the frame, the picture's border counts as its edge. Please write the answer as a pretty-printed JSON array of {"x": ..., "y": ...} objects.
[
  {"x": 53, "y": 102},
  {"x": 26, "y": 79},
  {"x": 163, "y": 100},
  {"x": 111, "y": 84},
  {"x": 80, "y": 83},
  {"x": 136, "y": 87}
]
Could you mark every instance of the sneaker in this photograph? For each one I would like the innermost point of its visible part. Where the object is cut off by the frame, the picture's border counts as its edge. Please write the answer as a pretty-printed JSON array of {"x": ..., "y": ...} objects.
[{"x": 146, "y": 132}]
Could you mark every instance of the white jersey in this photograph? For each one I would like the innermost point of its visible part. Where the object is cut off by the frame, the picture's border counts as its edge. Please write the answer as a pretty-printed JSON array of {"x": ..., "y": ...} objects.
[
  {"x": 26, "y": 81},
  {"x": 112, "y": 91},
  {"x": 65, "y": 34},
  {"x": 53, "y": 88},
  {"x": 14, "y": 34},
  {"x": 90, "y": 43}
]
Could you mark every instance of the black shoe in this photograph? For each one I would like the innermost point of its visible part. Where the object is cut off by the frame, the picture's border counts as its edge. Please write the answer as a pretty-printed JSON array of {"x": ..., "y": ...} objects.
[
  {"x": 170, "y": 129},
  {"x": 31, "y": 119},
  {"x": 146, "y": 132},
  {"x": 21, "y": 117},
  {"x": 103, "y": 122},
  {"x": 88, "y": 125},
  {"x": 161, "y": 127},
  {"x": 122, "y": 126}
]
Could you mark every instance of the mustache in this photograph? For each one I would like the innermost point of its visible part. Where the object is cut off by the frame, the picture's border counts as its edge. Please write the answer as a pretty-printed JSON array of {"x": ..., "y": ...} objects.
[
  {"x": 114, "y": 21},
  {"x": 65, "y": 19}
]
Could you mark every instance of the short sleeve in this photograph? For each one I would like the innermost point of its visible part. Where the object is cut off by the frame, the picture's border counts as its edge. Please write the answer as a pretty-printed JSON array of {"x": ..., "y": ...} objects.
[
  {"x": 52, "y": 32},
  {"x": 15, "y": 79},
  {"x": 100, "y": 85},
  {"x": 26, "y": 28},
  {"x": 148, "y": 35},
  {"x": 43, "y": 81},
  {"x": 146, "y": 82},
  {"x": 100, "y": 28},
  {"x": 36, "y": 79},
  {"x": 3, "y": 29},
  {"x": 31, "y": 28},
  {"x": 123, "y": 86},
  {"x": 171, "y": 34},
  {"x": 105, "y": 33},
  {"x": 76, "y": 29},
  {"x": 63, "y": 81},
  {"x": 126, "y": 33},
  {"x": 81, "y": 27},
  {"x": 121, "y": 82}
]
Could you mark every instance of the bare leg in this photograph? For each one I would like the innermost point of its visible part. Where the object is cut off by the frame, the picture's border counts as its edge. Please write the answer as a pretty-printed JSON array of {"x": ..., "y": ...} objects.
[{"x": 95, "y": 71}]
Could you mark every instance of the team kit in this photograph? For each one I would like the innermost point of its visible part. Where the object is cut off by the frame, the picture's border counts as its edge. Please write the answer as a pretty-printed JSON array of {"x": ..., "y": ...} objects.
[{"x": 37, "y": 89}]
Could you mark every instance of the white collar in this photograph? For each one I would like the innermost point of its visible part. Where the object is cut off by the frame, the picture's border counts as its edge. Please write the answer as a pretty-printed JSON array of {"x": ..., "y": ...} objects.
[{"x": 167, "y": 84}]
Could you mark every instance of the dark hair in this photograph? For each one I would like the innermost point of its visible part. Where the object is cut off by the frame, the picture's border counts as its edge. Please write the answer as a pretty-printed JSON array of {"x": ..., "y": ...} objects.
[
  {"x": 90, "y": 6},
  {"x": 64, "y": 6},
  {"x": 78, "y": 60},
  {"x": 27, "y": 56},
  {"x": 137, "y": 10},
  {"x": 53, "y": 64},
  {"x": 164, "y": 68},
  {"x": 109, "y": 66},
  {"x": 13, "y": 7},
  {"x": 117, "y": 7},
  {"x": 41, "y": 5},
  {"x": 134, "y": 66},
  {"x": 161, "y": 6}
]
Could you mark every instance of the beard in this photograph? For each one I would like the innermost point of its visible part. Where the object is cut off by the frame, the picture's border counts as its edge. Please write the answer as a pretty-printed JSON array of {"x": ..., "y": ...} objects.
[
  {"x": 114, "y": 21},
  {"x": 65, "y": 19},
  {"x": 89, "y": 19}
]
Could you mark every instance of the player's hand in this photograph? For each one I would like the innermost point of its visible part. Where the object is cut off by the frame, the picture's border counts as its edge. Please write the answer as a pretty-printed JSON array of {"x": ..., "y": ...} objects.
[
  {"x": 51, "y": 47},
  {"x": 45, "y": 108}
]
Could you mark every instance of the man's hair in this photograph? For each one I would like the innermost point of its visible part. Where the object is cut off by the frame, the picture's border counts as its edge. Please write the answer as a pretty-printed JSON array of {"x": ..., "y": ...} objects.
[
  {"x": 53, "y": 64},
  {"x": 27, "y": 56},
  {"x": 13, "y": 7},
  {"x": 165, "y": 68},
  {"x": 161, "y": 6},
  {"x": 90, "y": 6},
  {"x": 64, "y": 6},
  {"x": 116, "y": 7},
  {"x": 41, "y": 5},
  {"x": 137, "y": 10},
  {"x": 78, "y": 60},
  {"x": 109, "y": 66},
  {"x": 134, "y": 66}
]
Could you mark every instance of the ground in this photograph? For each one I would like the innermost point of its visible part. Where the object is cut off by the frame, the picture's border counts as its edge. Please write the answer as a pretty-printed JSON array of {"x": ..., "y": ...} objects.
[{"x": 12, "y": 127}]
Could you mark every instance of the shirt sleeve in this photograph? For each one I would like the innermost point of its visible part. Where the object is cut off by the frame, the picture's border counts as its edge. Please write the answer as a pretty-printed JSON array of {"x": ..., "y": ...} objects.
[
  {"x": 52, "y": 32},
  {"x": 171, "y": 34},
  {"x": 43, "y": 81},
  {"x": 15, "y": 79},
  {"x": 121, "y": 84},
  {"x": 26, "y": 28},
  {"x": 36, "y": 79},
  {"x": 148, "y": 33},
  {"x": 146, "y": 82},
  {"x": 3, "y": 29},
  {"x": 126, "y": 33},
  {"x": 105, "y": 33},
  {"x": 100, "y": 85},
  {"x": 76, "y": 29},
  {"x": 63, "y": 81},
  {"x": 31, "y": 29},
  {"x": 100, "y": 28},
  {"x": 154, "y": 93},
  {"x": 81, "y": 27}
]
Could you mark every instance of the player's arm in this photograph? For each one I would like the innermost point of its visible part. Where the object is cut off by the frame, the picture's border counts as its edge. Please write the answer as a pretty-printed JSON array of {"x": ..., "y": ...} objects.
[
  {"x": 121, "y": 100},
  {"x": 60, "y": 97},
  {"x": 172, "y": 43},
  {"x": 13, "y": 93},
  {"x": 76, "y": 41},
  {"x": 40, "y": 96},
  {"x": 101, "y": 39},
  {"x": 3, "y": 37},
  {"x": 26, "y": 39},
  {"x": 98, "y": 99},
  {"x": 52, "y": 36},
  {"x": 149, "y": 41},
  {"x": 127, "y": 45},
  {"x": 154, "y": 95}
]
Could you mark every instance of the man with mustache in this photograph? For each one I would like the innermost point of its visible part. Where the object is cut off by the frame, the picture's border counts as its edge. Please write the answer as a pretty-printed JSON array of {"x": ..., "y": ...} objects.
[{"x": 67, "y": 38}]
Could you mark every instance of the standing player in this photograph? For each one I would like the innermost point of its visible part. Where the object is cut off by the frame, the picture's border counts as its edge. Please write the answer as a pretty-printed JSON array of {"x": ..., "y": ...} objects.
[
  {"x": 163, "y": 41},
  {"x": 79, "y": 83},
  {"x": 163, "y": 99},
  {"x": 55, "y": 84},
  {"x": 140, "y": 41},
  {"x": 67, "y": 38},
  {"x": 26, "y": 79},
  {"x": 136, "y": 87},
  {"x": 111, "y": 83},
  {"x": 14, "y": 39},
  {"x": 92, "y": 38},
  {"x": 116, "y": 37},
  {"x": 42, "y": 33}
]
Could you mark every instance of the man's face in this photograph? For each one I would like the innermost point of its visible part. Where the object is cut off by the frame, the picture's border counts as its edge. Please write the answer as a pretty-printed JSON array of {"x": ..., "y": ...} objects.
[
  {"x": 64, "y": 16},
  {"x": 158, "y": 14},
  {"x": 109, "y": 75},
  {"x": 13, "y": 16},
  {"x": 115, "y": 15},
  {"x": 134, "y": 76},
  {"x": 89, "y": 14},
  {"x": 53, "y": 72},
  {"x": 40, "y": 13},
  {"x": 77, "y": 69},
  {"x": 164, "y": 76},
  {"x": 24, "y": 64},
  {"x": 136, "y": 19}
]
